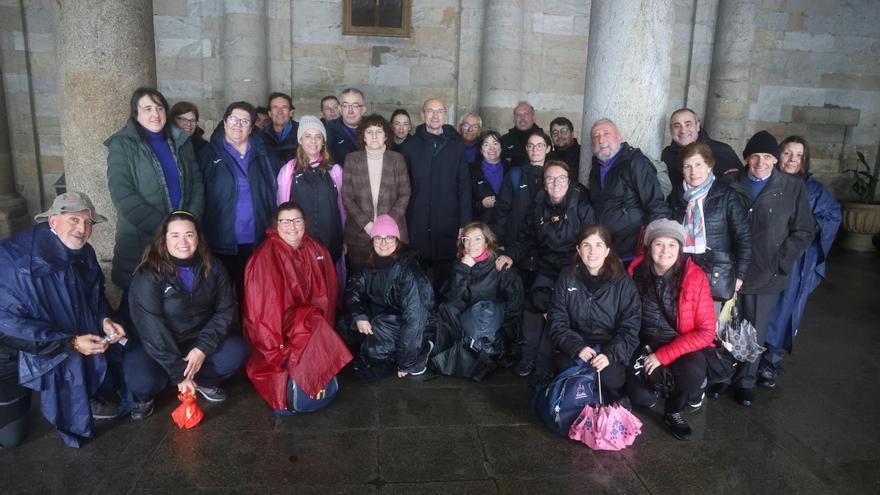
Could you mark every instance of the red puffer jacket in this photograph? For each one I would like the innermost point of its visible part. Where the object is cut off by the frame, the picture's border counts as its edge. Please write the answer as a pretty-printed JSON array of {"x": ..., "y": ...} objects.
[
  {"x": 695, "y": 322},
  {"x": 290, "y": 309}
]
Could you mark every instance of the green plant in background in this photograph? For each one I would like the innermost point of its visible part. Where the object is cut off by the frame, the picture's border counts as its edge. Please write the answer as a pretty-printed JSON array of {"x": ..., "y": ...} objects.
[{"x": 865, "y": 182}]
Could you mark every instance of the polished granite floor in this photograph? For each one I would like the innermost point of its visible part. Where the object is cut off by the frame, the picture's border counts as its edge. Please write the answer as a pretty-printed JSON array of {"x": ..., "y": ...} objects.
[{"x": 818, "y": 431}]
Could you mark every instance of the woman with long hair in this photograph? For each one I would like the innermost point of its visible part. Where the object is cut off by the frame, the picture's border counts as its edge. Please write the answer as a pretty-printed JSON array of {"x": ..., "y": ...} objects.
[
  {"x": 183, "y": 309},
  {"x": 678, "y": 323},
  {"x": 479, "y": 318},
  {"x": 595, "y": 313},
  {"x": 389, "y": 304},
  {"x": 291, "y": 290}
]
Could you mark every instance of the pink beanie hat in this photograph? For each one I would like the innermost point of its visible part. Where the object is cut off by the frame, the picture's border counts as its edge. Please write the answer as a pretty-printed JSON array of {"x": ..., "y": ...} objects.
[{"x": 384, "y": 226}]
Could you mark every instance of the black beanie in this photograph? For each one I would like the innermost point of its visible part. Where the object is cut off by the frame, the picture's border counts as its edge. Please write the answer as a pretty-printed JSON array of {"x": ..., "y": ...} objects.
[{"x": 762, "y": 142}]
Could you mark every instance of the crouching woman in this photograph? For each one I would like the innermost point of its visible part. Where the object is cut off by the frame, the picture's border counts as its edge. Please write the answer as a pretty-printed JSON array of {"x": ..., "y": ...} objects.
[
  {"x": 290, "y": 309},
  {"x": 479, "y": 320},
  {"x": 595, "y": 312},
  {"x": 678, "y": 323},
  {"x": 183, "y": 308},
  {"x": 390, "y": 303}
]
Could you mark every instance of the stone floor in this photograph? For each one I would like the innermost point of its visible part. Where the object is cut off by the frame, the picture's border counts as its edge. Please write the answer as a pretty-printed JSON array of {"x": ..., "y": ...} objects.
[{"x": 818, "y": 431}]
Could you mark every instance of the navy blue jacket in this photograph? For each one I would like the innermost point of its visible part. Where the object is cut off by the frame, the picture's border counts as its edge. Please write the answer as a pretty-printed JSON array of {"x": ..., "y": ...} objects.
[
  {"x": 338, "y": 142},
  {"x": 284, "y": 150},
  {"x": 47, "y": 296},
  {"x": 221, "y": 193},
  {"x": 440, "y": 202}
]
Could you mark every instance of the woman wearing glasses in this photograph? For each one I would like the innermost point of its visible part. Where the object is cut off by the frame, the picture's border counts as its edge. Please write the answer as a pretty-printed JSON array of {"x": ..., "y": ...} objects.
[
  {"x": 239, "y": 190},
  {"x": 290, "y": 310},
  {"x": 375, "y": 182},
  {"x": 186, "y": 116},
  {"x": 479, "y": 319},
  {"x": 313, "y": 181},
  {"x": 390, "y": 304},
  {"x": 151, "y": 170},
  {"x": 549, "y": 235}
]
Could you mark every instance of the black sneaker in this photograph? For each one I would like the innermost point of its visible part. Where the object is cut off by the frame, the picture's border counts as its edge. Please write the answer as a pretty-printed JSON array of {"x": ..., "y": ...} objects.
[
  {"x": 766, "y": 379},
  {"x": 744, "y": 396},
  {"x": 103, "y": 409},
  {"x": 212, "y": 394},
  {"x": 142, "y": 410},
  {"x": 677, "y": 425},
  {"x": 423, "y": 376},
  {"x": 524, "y": 368},
  {"x": 696, "y": 401}
]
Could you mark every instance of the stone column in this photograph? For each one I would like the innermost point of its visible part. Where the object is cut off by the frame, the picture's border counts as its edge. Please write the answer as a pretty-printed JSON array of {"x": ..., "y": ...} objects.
[
  {"x": 13, "y": 208},
  {"x": 245, "y": 70},
  {"x": 500, "y": 83},
  {"x": 105, "y": 51},
  {"x": 469, "y": 60},
  {"x": 628, "y": 68},
  {"x": 727, "y": 106}
]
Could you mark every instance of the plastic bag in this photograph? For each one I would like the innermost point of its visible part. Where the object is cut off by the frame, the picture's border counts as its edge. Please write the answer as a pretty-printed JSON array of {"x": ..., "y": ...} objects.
[{"x": 188, "y": 413}]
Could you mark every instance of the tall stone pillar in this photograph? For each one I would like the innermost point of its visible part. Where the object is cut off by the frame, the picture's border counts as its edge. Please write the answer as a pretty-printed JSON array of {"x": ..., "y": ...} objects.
[
  {"x": 245, "y": 67},
  {"x": 501, "y": 81},
  {"x": 628, "y": 68},
  {"x": 13, "y": 208},
  {"x": 105, "y": 51},
  {"x": 727, "y": 107}
]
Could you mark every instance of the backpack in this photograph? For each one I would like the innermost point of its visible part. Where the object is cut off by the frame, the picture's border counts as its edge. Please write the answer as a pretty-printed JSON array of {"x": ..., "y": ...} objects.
[
  {"x": 300, "y": 402},
  {"x": 560, "y": 402}
]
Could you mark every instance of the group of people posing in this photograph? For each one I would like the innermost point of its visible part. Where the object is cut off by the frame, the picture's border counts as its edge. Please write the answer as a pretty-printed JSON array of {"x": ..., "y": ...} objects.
[{"x": 296, "y": 249}]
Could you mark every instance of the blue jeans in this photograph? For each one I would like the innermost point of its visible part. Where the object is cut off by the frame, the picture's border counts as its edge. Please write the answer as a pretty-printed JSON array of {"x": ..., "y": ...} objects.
[{"x": 146, "y": 378}]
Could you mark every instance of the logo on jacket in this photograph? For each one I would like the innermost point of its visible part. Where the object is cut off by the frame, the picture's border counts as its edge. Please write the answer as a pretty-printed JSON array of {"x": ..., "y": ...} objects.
[
  {"x": 320, "y": 258},
  {"x": 320, "y": 395},
  {"x": 523, "y": 186},
  {"x": 218, "y": 161},
  {"x": 167, "y": 289},
  {"x": 581, "y": 392},
  {"x": 340, "y": 141},
  {"x": 572, "y": 289}
]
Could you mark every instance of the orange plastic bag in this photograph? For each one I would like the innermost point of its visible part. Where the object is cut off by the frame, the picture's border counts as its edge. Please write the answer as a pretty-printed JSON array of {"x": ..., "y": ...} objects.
[{"x": 188, "y": 413}]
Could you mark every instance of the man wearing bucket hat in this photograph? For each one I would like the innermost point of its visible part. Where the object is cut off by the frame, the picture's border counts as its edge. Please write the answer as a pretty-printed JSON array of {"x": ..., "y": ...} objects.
[
  {"x": 54, "y": 323},
  {"x": 781, "y": 223}
]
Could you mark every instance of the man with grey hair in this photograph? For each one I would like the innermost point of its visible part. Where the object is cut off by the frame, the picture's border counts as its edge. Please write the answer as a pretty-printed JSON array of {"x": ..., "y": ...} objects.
[
  {"x": 55, "y": 324},
  {"x": 513, "y": 144},
  {"x": 624, "y": 188},
  {"x": 469, "y": 126},
  {"x": 341, "y": 131}
]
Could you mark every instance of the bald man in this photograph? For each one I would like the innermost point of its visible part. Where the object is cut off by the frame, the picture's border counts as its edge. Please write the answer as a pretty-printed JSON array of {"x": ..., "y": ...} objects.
[
  {"x": 513, "y": 144},
  {"x": 440, "y": 204}
]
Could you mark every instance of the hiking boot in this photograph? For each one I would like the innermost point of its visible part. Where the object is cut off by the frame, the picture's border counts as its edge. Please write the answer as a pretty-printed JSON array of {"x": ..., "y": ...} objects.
[
  {"x": 677, "y": 425},
  {"x": 524, "y": 368},
  {"x": 744, "y": 396},
  {"x": 103, "y": 409},
  {"x": 766, "y": 379},
  {"x": 212, "y": 394},
  {"x": 142, "y": 410}
]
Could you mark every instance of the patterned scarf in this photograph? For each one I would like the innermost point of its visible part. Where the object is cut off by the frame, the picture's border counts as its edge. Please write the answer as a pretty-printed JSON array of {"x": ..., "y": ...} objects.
[{"x": 694, "y": 222}]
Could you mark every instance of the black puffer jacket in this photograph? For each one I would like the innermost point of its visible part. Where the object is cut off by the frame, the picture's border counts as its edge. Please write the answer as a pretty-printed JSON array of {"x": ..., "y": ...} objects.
[
  {"x": 481, "y": 189},
  {"x": 571, "y": 156},
  {"x": 611, "y": 316},
  {"x": 518, "y": 190},
  {"x": 482, "y": 282},
  {"x": 630, "y": 198},
  {"x": 170, "y": 321},
  {"x": 551, "y": 230},
  {"x": 728, "y": 238},
  {"x": 401, "y": 290},
  {"x": 781, "y": 223},
  {"x": 440, "y": 202}
]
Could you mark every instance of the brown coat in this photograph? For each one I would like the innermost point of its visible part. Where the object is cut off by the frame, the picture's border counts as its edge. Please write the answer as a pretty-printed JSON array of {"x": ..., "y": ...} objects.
[{"x": 394, "y": 192}]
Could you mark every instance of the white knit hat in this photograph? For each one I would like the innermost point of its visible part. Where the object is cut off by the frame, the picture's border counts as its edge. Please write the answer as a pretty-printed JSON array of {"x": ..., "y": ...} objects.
[{"x": 308, "y": 122}]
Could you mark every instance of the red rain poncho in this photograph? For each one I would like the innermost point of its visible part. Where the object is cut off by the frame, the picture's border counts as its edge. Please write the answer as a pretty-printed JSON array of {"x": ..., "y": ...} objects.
[{"x": 290, "y": 310}]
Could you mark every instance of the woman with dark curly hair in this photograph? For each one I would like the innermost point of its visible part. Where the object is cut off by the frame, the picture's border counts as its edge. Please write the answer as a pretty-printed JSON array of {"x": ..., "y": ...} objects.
[{"x": 375, "y": 182}]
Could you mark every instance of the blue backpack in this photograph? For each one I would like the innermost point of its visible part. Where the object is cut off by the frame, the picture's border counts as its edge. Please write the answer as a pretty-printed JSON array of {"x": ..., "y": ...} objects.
[
  {"x": 559, "y": 404},
  {"x": 300, "y": 402}
]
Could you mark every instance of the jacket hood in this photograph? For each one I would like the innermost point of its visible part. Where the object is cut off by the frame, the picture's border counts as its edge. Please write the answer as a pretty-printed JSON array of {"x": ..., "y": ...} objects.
[{"x": 38, "y": 251}]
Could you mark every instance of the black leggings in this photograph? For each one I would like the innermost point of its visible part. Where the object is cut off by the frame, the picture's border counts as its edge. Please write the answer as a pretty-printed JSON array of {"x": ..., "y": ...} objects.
[
  {"x": 15, "y": 404},
  {"x": 688, "y": 371}
]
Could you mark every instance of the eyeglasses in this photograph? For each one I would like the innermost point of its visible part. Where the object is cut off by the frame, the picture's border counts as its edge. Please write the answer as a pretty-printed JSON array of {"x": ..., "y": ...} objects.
[
  {"x": 536, "y": 146},
  {"x": 562, "y": 179},
  {"x": 291, "y": 221},
  {"x": 476, "y": 238},
  {"x": 560, "y": 132},
  {"x": 351, "y": 106},
  {"x": 435, "y": 111},
  {"x": 186, "y": 121},
  {"x": 388, "y": 239},
  {"x": 233, "y": 121},
  {"x": 470, "y": 127}
]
